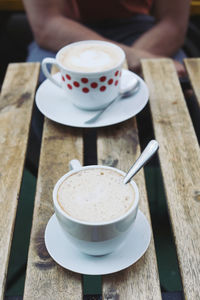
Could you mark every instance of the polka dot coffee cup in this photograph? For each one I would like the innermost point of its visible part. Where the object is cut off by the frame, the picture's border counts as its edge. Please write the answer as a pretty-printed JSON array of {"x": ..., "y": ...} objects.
[{"x": 90, "y": 73}]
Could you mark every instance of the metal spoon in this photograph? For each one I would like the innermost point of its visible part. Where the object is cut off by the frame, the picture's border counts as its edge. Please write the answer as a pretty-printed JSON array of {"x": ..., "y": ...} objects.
[
  {"x": 148, "y": 152},
  {"x": 129, "y": 90}
]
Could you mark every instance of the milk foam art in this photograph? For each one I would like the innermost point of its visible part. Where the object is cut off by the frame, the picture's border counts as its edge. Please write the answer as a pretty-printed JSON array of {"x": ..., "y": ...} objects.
[{"x": 89, "y": 57}]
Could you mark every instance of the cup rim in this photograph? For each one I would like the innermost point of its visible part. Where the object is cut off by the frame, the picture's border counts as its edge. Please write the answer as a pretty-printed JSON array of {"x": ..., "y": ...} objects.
[
  {"x": 80, "y": 222},
  {"x": 93, "y": 72}
]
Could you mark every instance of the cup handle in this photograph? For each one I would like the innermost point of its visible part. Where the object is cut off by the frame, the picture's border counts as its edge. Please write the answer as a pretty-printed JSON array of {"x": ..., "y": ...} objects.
[
  {"x": 129, "y": 83},
  {"x": 74, "y": 164},
  {"x": 52, "y": 61}
]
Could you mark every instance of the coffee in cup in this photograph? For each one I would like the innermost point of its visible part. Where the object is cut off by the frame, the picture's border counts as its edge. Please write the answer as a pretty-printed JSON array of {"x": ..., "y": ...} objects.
[
  {"x": 90, "y": 57},
  {"x": 90, "y": 72},
  {"x": 94, "y": 208},
  {"x": 95, "y": 195}
]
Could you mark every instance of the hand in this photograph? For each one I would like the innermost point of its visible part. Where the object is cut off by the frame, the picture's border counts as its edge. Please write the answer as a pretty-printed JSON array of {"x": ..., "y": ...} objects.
[{"x": 134, "y": 57}]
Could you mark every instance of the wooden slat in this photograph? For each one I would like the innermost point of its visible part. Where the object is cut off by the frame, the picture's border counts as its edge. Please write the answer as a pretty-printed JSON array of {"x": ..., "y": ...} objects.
[
  {"x": 119, "y": 147},
  {"x": 44, "y": 278},
  {"x": 193, "y": 69},
  {"x": 180, "y": 162},
  {"x": 15, "y": 115}
]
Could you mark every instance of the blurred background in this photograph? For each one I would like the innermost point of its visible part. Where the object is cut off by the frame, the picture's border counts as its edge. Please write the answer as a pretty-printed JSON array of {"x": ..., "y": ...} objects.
[{"x": 15, "y": 33}]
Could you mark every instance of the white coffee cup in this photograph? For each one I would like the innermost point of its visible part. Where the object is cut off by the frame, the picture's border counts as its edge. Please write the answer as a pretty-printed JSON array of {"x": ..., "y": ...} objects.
[
  {"x": 90, "y": 72},
  {"x": 95, "y": 238}
]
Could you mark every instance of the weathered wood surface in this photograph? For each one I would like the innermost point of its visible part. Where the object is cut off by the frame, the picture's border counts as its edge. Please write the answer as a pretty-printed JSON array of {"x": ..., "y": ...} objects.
[
  {"x": 180, "y": 163},
  {"x": 44, "y": 278},
  {"x": 16, "y": 104},
  {"x": 193, "y": 69},
  {"x": 118, "y": 146}
]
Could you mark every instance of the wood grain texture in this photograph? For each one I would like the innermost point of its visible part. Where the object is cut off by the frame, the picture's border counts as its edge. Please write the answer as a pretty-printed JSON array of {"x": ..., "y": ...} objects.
[
  {"x": 15, "y": 114},
  {"x": 118, "y": 146},
  {"x": 193, "y": 69},
  {"x": 44, "y": 278},
  {"x": 180, "y": 162}
]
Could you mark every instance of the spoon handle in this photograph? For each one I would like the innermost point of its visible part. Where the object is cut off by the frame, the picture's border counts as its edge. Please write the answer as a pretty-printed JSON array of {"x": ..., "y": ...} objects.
[
  {"x": 129, "y": 89},
  {"x": 96, "y": 116},
  {"x": 148, "y": 152}
]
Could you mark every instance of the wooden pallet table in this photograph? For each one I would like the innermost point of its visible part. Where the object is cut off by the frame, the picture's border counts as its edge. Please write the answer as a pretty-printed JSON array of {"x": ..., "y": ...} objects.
[{"x": 118, "y": 145}]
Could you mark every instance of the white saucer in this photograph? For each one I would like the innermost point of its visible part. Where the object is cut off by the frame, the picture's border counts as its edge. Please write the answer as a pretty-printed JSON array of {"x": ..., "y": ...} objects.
[
  {"x": 51, "y": 101},
  {"x": 66, "y": 255}
]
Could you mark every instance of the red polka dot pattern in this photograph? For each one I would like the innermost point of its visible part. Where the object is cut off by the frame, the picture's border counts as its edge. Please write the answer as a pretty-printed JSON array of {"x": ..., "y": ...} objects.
[
  {"x": 94, "y": 85},
  {"x": 102, "y": 83},
  {"x": 103, "y": 78},
  {"x": 84, "y": 80},
  {"x": 68, "y": 77},
  {"x": 76, "y": 83},
  {"x": 69, "y": 86},
  {"x": 85, "y": 90},
  {"x": 102, "y": 88}
]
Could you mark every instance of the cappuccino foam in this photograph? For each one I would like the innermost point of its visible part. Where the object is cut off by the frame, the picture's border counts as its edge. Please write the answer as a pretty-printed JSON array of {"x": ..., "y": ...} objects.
[
  {"x": 95, "y": 195},
  {"x": 90, "y": 57}
]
